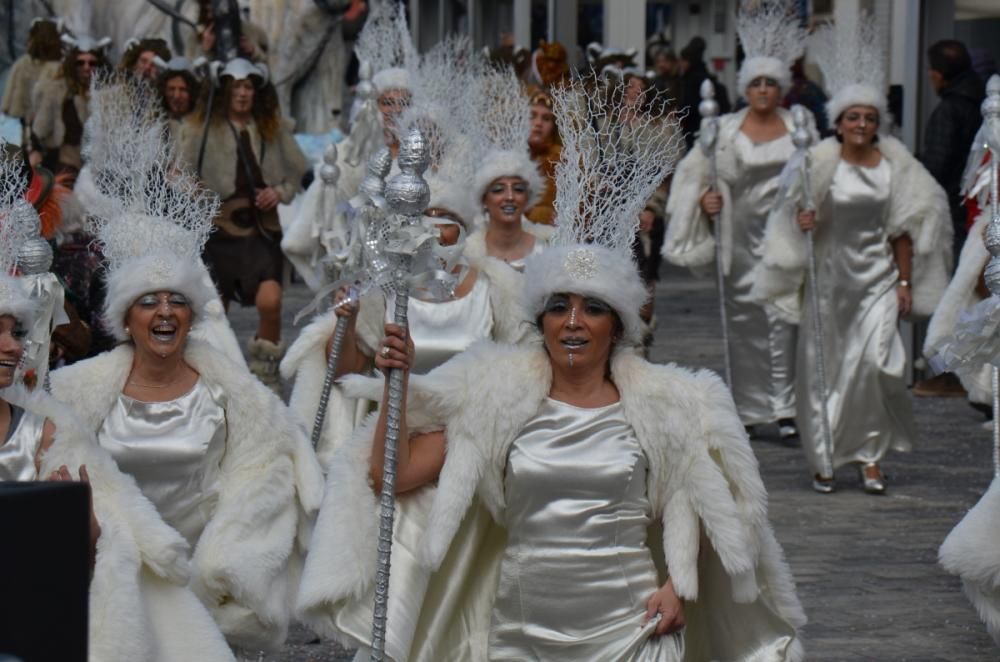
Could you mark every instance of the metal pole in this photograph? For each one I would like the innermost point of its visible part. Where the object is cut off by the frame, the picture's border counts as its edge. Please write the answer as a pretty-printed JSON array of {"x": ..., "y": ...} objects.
[
  {"x": 991, "y": 115},
  {"x": 407, "y": 194},
  {"x": 801, "y": 139},
  {"x": 707, "y": 138},
  {"x": 826, "y": 457},
  {"x": 339, "y": 333},
  {"x": 995, "y": 371}
]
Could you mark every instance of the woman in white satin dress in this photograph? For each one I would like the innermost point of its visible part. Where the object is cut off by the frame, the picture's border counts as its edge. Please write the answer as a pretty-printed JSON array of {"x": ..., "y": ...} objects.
[
  {"x": 865, "y": 241},
  {"x": 753, "y": 146},
  {"x": 571, "y": 444}
]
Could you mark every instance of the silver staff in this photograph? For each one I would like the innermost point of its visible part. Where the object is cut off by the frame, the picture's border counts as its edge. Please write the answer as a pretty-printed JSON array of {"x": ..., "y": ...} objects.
[
  {"x": 991, "y": 118},
  {"x": 407, "y": 195},
  {"x": 372, "y": 185},
  {"x": 708, "y": 135},
  {"x": 802, "y": 140},
  {"x": 329, "y": 173}
]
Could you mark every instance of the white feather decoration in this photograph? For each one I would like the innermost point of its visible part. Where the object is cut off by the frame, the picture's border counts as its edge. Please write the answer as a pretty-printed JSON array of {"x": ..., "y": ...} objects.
[
  {"x": 610, "y": 165},
  {"x": 769, "y": 28},
  {"x": 442, "y": 104},
  {"x": 12, "y": 186},
  {"x": 850, "y": 53},
  {"x": 385, "y": 40},
  {"x": 146, "y": 206}
]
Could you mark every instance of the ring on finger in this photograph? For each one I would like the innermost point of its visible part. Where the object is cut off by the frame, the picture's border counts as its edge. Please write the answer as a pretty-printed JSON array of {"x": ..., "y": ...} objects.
[{"x": 385, "y": 351}]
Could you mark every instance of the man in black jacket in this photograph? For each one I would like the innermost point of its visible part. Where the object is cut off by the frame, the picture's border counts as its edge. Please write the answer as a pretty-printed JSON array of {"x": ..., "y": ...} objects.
[
  {"x": 693, "y": 72},
  {"x": 953, "y": 124}
]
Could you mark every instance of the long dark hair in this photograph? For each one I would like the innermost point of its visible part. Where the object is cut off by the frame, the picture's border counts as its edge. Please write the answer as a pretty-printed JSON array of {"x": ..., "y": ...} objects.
[{"x": 265, "y": 106}]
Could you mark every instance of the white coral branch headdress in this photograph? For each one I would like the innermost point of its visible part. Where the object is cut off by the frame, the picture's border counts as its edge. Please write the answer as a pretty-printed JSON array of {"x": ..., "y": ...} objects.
[
  {"x": 850, "y": 54},
  {"x": 773, "y": 37},
  {"x": 150, "y": 218},
  {"x": 500, "y": 125},
  {"x": 385, "y": 43},
  {"x": 14, "y": 300},
  {"x": 614, "y": 157}
]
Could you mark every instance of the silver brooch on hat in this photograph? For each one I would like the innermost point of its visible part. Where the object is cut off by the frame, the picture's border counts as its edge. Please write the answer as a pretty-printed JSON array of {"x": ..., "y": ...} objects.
[{"x": 581, "y": 263}]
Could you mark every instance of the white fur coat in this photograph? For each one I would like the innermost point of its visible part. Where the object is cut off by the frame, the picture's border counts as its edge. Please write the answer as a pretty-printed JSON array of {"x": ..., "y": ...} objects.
[
  {"x": 917, "y": 207},
  {"x": 246, "y": 563},
  {"x": 703, "y": 485},
  {"x": 689, "y": 240},
  {"x": 958, "y": 298},
  {"x": 306, "y": 358},
  {"x": 140, "y": 605},
  {"x": 972, "y": 552}
]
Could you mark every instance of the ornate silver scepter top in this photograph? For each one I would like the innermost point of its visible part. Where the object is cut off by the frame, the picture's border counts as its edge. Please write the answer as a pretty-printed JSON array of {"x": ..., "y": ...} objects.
[
  {"x": 991, "y": 111},
  {"x": 373, "y": 185},
  {"x": 35, "y": 254},
  {"x": 708, "y": 107},
  {"x": 800, "y": 136},
  {"x": 709, "y": 110},
  {"x": 329, "y": 172},
  {"x": 365, "y": 89},
  {"x": 408, "y": 193}
]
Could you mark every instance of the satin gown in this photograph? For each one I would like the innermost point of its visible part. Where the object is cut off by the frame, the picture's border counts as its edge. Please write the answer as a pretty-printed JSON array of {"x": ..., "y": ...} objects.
[
  {"x": 762, "y": 347},
  {"x": 173, "y": 450},
  {"x": 441, "y": 330},
  {"x": 870, "y": 410},
  {"x": 17, "y": 453},
  {"x": 576, "y": 572}
]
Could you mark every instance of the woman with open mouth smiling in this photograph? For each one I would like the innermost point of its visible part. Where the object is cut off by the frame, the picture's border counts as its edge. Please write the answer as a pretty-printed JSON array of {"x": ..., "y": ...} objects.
[
  {"x": 139, "y": 595},
  {"x": 215, "y": 451},
  {"x": 530, "y": 477}
]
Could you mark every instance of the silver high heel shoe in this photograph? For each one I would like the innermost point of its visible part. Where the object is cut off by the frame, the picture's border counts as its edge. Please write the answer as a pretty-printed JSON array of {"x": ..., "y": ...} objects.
[
  {"x": 872, "y": 484},
  {"x": 823, "y": 485}
]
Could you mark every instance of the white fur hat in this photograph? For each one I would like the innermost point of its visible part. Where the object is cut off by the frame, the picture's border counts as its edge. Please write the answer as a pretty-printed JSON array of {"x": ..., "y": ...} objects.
[
  {"x": 589, "y": 270},
  {"x": 772, "y": 37},
  {"x": 158, "y": 271},
  {"x": 454, "y": 196},
  {"x": 859, "y": 94},
  {"x": 763, "y": 65},
  {"x": 849, "y": 53},
  {"x": 393, "y": 78},
  {"x": 508, "y": 163}
]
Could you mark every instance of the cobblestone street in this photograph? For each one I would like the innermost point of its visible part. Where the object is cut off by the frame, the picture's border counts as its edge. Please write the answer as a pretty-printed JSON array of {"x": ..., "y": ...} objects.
[{"x": 865, "y": 566}]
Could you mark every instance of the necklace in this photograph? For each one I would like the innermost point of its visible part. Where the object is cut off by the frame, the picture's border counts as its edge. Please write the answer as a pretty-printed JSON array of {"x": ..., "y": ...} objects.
[{"x": 170, "y": 383}]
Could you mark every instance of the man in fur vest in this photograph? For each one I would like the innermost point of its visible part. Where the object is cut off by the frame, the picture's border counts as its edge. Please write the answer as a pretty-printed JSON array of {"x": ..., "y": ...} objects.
[
  {"x": 63, "y": 106},
  {"x": 40, "y": 62}
]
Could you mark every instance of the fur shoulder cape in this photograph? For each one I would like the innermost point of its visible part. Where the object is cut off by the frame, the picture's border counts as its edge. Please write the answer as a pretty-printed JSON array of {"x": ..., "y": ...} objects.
[
  {"x": 703, "y": 485},
  {"x": 689, "y": 240},
  {"x": 918, "y": 207},
  {"x": 244, "y": 566},
  {"x": 972, "y": 552},
  {"x": 139, "y": 595},
  {"x": 306, "y": 358}
]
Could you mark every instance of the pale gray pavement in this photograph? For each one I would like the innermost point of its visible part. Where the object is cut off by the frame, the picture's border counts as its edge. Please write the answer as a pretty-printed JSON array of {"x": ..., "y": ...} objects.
[{"x": 865, "y": 566}]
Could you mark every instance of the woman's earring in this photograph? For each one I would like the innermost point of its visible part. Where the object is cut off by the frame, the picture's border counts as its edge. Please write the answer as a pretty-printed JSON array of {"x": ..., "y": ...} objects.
[{"x": 128, "y": 331}]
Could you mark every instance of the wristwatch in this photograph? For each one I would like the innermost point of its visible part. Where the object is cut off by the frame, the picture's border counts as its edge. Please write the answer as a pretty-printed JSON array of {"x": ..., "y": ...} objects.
[{"x": 903, "y": 282}]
